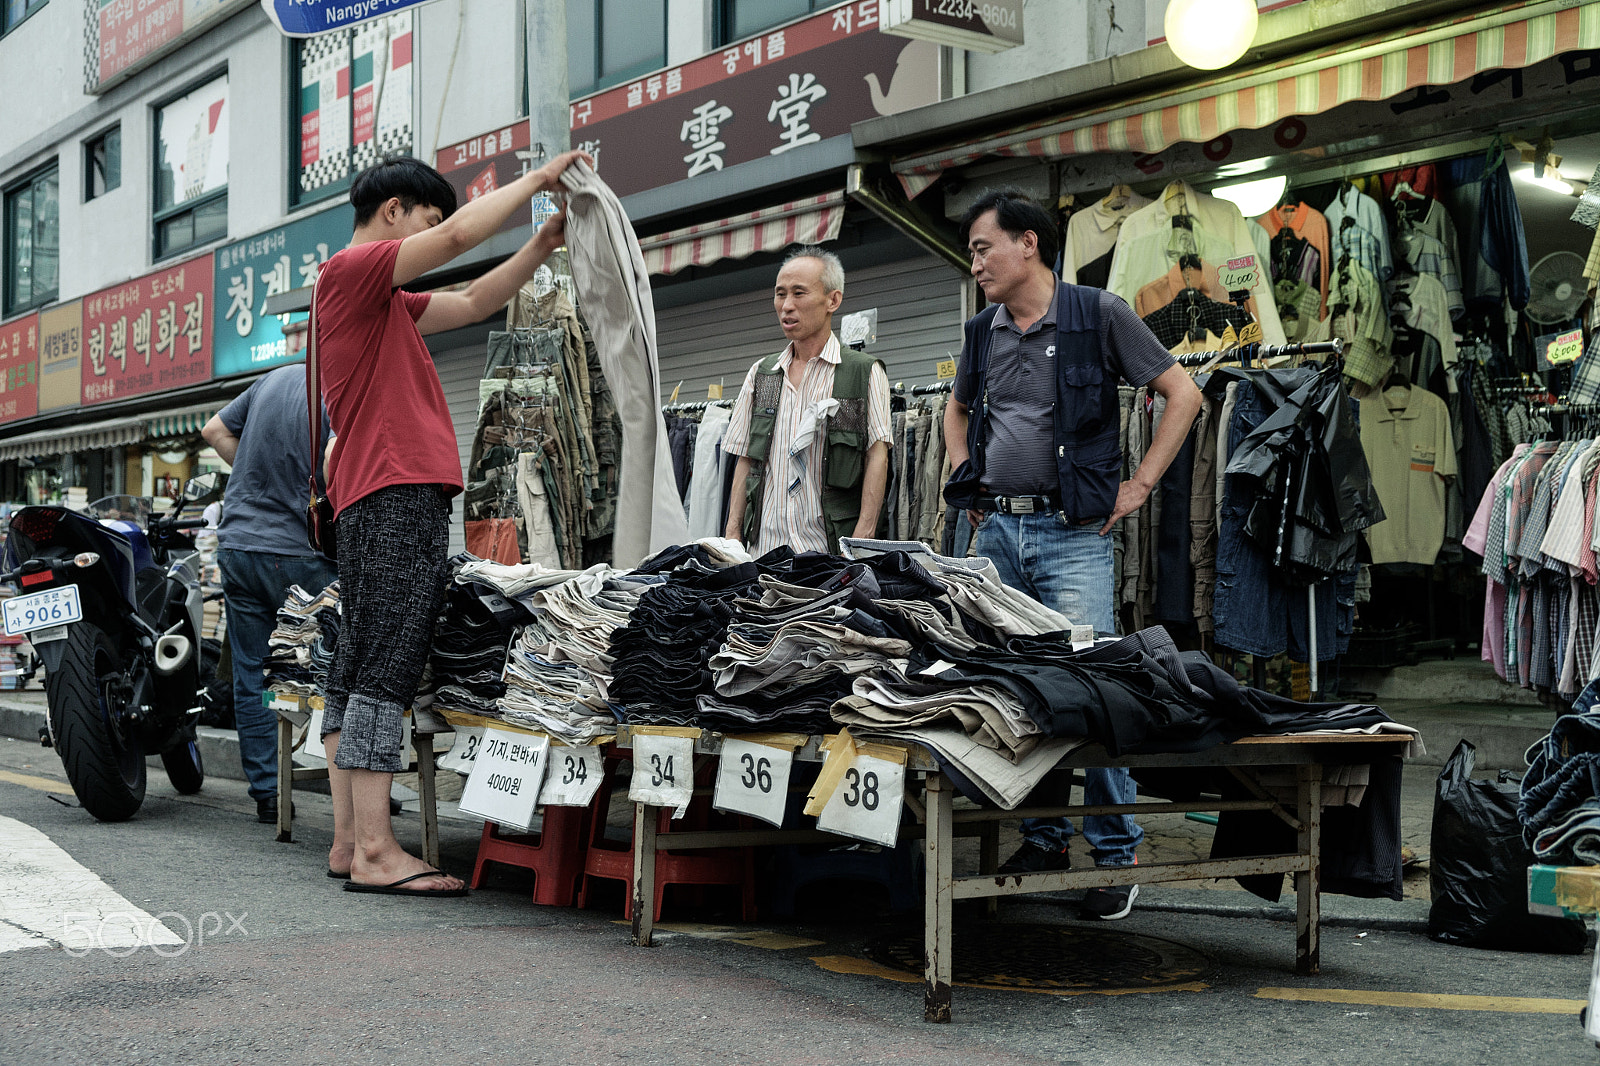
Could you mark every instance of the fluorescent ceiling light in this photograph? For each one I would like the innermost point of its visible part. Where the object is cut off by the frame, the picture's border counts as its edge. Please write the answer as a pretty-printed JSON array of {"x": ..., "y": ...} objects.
[
  {"x": 1552, "y": 180},
  {"x": 1253, "y": 197}
]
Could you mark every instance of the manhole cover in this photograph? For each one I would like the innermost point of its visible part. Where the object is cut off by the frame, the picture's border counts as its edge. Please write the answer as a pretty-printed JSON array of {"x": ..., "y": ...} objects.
[{"x": 1072, "y": 957}]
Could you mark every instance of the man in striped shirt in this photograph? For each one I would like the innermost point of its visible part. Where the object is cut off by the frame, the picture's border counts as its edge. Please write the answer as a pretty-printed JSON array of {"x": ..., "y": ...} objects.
[{"x": 811, "y": 425}]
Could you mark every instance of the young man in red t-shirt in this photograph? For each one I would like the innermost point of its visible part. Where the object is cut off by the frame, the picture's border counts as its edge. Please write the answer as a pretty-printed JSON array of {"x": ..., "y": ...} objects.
[{"x": 393, "y": 467}]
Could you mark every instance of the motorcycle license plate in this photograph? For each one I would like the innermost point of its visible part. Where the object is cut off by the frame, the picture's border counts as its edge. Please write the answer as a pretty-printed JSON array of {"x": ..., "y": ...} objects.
[{"x": 41, "y": 610}]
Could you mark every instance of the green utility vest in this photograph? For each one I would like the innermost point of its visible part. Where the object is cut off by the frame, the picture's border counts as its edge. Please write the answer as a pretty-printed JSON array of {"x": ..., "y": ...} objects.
[{"x": 844, "y": 439}]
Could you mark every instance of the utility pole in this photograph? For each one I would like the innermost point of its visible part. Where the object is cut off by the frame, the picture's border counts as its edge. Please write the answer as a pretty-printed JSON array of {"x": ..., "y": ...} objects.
[{"x": 549, "y": 124}]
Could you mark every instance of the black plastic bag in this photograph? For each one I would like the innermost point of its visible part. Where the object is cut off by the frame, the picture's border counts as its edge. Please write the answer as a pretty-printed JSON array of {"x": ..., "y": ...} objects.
[{"x": 1480, "y": 869}]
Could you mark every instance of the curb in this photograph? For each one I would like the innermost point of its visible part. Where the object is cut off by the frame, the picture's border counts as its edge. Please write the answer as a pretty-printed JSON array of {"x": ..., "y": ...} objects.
[{"x": 219, "y": 748}]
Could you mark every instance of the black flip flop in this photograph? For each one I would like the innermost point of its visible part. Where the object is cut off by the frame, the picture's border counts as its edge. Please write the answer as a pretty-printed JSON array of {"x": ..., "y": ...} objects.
[
  {"x": 393, "y": 888},
  {"x": 338, "y": 876}
]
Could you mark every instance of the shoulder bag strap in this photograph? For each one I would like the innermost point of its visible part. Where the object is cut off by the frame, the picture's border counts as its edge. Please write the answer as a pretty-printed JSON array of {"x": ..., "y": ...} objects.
[{"x": 314, "y": 391}]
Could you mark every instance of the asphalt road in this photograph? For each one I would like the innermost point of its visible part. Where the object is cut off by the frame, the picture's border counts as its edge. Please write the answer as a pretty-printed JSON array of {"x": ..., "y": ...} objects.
[{"x": 293, "y": 970}]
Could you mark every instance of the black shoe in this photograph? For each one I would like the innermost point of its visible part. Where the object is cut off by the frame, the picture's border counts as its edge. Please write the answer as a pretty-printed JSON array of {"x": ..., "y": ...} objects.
[
  {"x": 1032, "y": 858},
  {"x": 1109, "y": 904},
  {"x": 267, "y": 810}
]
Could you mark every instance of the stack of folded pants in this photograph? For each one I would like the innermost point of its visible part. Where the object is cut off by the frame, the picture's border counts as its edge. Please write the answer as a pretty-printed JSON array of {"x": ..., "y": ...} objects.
[{"x": 300, "y": 649}]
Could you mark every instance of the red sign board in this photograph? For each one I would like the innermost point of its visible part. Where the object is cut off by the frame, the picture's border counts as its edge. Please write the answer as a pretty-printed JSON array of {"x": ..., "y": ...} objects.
[
  {"x": 484, "y": 164},
  {"x": 19, "y": 369},
  {"x": 133, "y": 29},
  {"x": 148, "y": 335},
  {"x": 758, "y": 98}
]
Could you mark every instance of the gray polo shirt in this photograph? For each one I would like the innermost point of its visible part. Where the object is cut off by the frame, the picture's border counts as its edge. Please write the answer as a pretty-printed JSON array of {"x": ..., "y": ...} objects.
[
  {"x": 265, "y": 509},
  {"x": 1020, "y": 458}
]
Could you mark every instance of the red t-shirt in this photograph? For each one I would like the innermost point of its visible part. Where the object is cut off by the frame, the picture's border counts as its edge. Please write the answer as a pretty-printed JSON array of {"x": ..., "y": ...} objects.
[{"x": 384, "y": 399}]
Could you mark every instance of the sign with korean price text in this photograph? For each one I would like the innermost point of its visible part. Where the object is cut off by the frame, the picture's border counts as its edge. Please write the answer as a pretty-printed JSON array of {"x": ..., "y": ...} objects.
[
  {"x": 504, "y": 786},
  {"x": 573, "y": 778},
  {"x": 1240, "y": 274},
  {"x": 754, "y": 99},
  {"x": 1565, "y": 349},
  {"x": 151, "y": 334},
  {"x": 19, "y": 369},
  {"x": 976, "y": 25},
  {"x": 479, "y": 166},
  {"x": 60, "y": 345},
  {"x": 753, "y": 779},
  {"x": 663, "y": 772},
  {"x": 463, "y": 753},
  {"x": 248, "y": 272}
]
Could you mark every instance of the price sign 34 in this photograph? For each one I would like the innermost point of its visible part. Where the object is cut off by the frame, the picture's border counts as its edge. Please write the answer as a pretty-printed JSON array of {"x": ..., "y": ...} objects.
[{"x": 663, "y": 772}]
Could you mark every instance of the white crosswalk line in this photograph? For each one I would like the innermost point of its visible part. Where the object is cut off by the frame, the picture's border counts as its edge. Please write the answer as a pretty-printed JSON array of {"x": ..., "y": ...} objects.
[{"x": 49, "y": 899}]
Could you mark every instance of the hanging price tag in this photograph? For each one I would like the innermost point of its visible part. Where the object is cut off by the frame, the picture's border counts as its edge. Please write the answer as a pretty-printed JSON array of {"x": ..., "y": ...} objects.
[
  {"x": 463, "y": 752},
  {"x": 573, "y": 777},
  {"x": 1240, "y": 273},
  {"x": 946, "y": 369},
  {"x": 504, "y": 786},
  {"x": 866, "y": 805},
  {"x": 1565, "y": 348},
  {"x": 1251, "y": 334},
  {"x": 753, "y": 779},
  {"x": 713, "y": 392},
  {"x": 663, "y": 772},
  {"x": 313, "y": 748}
]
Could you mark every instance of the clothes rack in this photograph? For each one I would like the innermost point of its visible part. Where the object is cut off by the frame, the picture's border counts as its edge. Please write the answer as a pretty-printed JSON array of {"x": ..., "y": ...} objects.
[{"x": 1253, "y": 352}]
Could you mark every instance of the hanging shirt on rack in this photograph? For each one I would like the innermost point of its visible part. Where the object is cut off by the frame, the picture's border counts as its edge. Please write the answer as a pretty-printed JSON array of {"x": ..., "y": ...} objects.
[
  {"x": 1193, "y": 313},
  {"x": 1427, "y": 255},
  {"x": 1092, "y": 238},
  {"x": 1405, "y": 433},
  {"x": 1309, "y": 225},
  {"x": 1300, "y": 308},
  {"x": 1355, "y": 301},
  {"x": 1366, "y": 237},
  {"x": 1162, "y": 291},
  {"x": 1184, "y": 221},
  {"x": 1421, "y": 301}
]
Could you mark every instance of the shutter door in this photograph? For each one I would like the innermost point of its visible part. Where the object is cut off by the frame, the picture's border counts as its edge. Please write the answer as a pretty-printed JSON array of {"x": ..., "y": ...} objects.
[
  {"x": 459, "y": 372},
  {"x": 919, "y": 324}
]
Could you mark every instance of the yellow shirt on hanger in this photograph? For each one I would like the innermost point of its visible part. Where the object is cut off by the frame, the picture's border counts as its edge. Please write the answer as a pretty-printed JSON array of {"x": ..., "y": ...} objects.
[{"x": 1405, "y": 433}]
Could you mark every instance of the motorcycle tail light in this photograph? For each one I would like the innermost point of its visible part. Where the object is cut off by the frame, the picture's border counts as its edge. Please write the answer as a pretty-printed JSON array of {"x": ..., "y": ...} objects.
[
  {"x": 37, "y": 526},
  {"x": 41, "y": 578}
]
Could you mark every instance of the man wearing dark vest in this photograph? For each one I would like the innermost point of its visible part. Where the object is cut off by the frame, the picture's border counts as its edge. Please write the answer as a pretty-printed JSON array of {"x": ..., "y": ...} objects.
[
  {"x": 1032, "y": 432},
  {"x": 811, "y": 425}
]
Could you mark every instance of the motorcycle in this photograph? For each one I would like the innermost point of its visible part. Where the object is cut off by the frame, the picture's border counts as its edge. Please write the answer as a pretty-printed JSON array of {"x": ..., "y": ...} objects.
[{"x": 111, "y": 601}]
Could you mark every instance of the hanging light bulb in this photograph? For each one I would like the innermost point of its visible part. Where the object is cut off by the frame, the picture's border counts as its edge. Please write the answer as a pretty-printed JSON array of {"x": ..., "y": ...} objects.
[{"x": 1210, "y": 34}]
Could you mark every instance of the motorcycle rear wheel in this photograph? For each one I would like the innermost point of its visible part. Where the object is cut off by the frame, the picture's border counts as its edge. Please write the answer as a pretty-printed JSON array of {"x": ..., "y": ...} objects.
[
  {"x": 106, "y": 766},
  {"x": 185, "y": 769}
]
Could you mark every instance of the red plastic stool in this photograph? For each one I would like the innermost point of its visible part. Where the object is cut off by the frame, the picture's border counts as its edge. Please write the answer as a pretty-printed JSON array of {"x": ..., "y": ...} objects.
[
  {"x": 555, "y": 854},
  {"x": 719, "y": 866}
]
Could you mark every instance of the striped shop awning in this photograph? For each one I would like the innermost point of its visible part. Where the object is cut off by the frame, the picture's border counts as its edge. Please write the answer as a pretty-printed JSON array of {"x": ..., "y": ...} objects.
[
  {"x": 184, "y": 423},
  {"x": 1378, "y": 68},
  {"x": 107, "y": 434},
  {"x": 809, "y": 221}
]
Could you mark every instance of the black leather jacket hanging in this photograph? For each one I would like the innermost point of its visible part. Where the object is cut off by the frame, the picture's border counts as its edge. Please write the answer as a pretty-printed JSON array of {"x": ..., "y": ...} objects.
[{"x": 1308, "y": 486}]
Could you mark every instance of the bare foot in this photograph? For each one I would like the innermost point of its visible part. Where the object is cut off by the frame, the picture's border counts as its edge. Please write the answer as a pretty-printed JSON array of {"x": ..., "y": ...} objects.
[
  {"x": 339, "y": 858},
  {"x": 387, "y": 867}
]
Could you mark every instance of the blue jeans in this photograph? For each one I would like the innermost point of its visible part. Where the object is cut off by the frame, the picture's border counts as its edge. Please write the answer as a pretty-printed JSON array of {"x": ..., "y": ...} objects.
[
  {"x": 1067, "y": 568},
  {"x": 254, "y": 584}
]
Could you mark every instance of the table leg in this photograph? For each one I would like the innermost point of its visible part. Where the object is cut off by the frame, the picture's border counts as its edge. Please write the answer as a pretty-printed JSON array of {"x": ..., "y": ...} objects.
[
  {"x": 428, "y": 797},
  {"x": 937, "y": 915},
  {"x": 285, "y": 780},
  {"x": 1308, "y": 884},
  {"x": 989, "y": 861},
  {"x": 644, "y": 873}
]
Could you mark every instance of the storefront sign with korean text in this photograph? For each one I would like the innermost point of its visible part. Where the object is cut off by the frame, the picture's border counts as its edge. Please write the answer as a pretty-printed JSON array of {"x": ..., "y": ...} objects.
[
  {"x": 60, "y": 345},
  {"x": 755, "y": 99},
  {"x": 978, "y": 25},
  {"x": 307, "y": 18},
  {"x": 134, "y": 32},
  {"x": 249, "y": 272},
  {"x": 19, "y": 369},
  {"x": 483, "y": 164},
  {"x": 148, "y": 335}
]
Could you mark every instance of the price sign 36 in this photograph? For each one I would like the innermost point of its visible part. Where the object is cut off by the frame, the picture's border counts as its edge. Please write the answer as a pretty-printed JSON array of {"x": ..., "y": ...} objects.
[{"x": 753, "y": 779}]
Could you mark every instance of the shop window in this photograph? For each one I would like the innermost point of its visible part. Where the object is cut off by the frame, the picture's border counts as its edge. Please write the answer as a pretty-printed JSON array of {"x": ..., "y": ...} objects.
[
  {"x": 191, "y": 169},
  {"x": 32, "y": 241},
  {"x": 102, "y": 163},
  {"x": 610, "y": 41},
  {"x": 738, "y": 19},
  {"x": 352, "y": 95},
  {"x": 13, "y": 12}
]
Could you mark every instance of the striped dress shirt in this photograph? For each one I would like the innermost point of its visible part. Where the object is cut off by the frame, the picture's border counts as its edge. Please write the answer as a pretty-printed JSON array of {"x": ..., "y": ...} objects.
[{"x": 794, "y": 516}]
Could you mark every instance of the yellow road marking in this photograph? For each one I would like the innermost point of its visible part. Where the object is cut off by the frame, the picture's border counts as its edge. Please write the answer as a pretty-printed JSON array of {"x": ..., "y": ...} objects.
[
  {"x": 867, "y": 968},
  {"x": 1427, "y": 1000},
  {"x": 43, "y": 784}
]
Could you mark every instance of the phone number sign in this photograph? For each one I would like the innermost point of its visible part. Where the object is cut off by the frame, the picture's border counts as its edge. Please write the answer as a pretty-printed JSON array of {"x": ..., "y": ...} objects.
[{"x": 148, "y": 335}]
